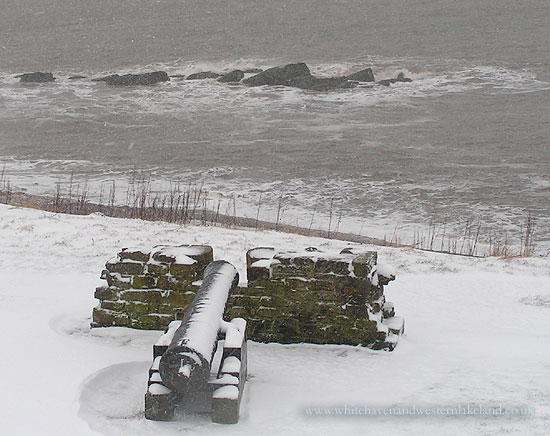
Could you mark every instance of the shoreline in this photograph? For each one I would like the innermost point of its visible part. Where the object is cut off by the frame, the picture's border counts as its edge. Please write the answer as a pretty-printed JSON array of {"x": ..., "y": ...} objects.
[
  {"x": 196, "y": 216},
  {"x": 199, "y": 216}
]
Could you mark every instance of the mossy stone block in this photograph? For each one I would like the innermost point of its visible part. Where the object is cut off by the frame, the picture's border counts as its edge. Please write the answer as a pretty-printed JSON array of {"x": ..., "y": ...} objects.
[
  {"x": 117, "y": 306},
  {"x": 364, "y": 263},
  {"x": 167, "y": 309},
  {"x": 116, "y": 280},
  {"x": 204, "y": 255},
  {"x": 237, "y": 312},
  {"x": 335, "y": 266},
  {"x": 280, "y": 271},
  {"x": 106, "y": 293},
  {"x": 106, "y": 318},
  {"x": 142, "y": 295},
  {"x": 179, "y": 298},
  {"x": 258, "y": 253},
  {"x": 184, "y": 272},
  {"x": 138, "y": 255},
  {"x": 147, "y": 281},
  {"x": 125, "y": 268},
  {"x": 166, "y": 282},
  {"x": 136, "y": 308},
  {"x": 157, "y": 268},
  {"x": 152, "y": 321},
  {"x": 159, "y": 256},
  {"x": 254, "y": 273}
]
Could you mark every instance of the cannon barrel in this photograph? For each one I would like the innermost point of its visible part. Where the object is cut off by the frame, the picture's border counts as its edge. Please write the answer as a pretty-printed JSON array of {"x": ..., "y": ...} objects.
[{"x": 185, "y": 365}]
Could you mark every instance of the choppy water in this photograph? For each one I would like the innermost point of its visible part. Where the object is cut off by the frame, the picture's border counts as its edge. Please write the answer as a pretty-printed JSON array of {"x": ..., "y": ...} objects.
[{"x": 468, "y": 139}]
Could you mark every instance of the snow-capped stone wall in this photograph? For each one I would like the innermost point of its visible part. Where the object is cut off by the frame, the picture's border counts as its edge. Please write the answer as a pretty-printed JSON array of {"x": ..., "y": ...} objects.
[
  {"x": 146, "y": 289},
  {"x": 317, "y": 297},
  {"x": 299, "y": 296}
]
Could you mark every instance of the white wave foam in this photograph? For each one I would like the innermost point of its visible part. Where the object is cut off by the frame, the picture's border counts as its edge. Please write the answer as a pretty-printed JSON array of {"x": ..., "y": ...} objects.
[
  {"x": 361, "y": 204},
  {"x": 84, "y": 98}
]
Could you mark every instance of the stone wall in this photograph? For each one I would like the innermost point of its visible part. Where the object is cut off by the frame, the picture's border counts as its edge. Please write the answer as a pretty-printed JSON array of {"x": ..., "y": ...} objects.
[
  {"x": 146, "y": 289},
  {"x": 315, "y": 297},
  {"x": 307, "y": 296}
]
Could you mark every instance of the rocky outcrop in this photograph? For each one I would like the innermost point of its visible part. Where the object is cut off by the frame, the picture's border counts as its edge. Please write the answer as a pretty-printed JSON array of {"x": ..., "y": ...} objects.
[
  {"x": 299, "y": 76},
  {"x": 232, "y": 77},
  {"x": 203, "y": 75},
  {"x": 135, "y": 79},
  {"x": 252, "y": 71},
  {"x": 365, "y": 75},
  {"x": 36, "y": 77},
  {"x": 400, "y": 78},
  {"x": 278, "y": 75}
]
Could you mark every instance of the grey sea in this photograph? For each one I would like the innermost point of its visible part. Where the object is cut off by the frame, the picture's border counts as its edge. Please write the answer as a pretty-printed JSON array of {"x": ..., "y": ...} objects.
[{"x": 467, "y": 141}]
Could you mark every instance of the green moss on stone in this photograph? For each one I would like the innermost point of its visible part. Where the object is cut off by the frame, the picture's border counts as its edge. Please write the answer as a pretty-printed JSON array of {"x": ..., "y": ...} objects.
[
  {"x": 364, "y": 263},
  {"x": 184, "y": 272},
  {"x": 125, "y": 268},
  {"x": 140, "y": 256},
  {"x": 116, "y": 280},
  {"x": 144, "y": 296},
  {"x": 304, "y": 270},
  {"x": 335, "y": 266},
  {"x": 157, "y": 268},
  {"x": 163, "y": 308},
  {"x": 144, "y": 281},
  {"x": 136, "y": 308},
  {"x": 152, "y": 322},
  {"x": 255, "y": 273},
  {"x": 106, "y": 318},
  {"x": 165, "y": 282},
  {"x": 106, "y": 293},
  {"x": 179, "y": 298},
  {"x": 117, "y": 306}
]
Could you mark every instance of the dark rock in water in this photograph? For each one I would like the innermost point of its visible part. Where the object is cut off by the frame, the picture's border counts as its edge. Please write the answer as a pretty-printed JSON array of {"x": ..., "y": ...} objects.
[
  {"x": 135, "y": 79},
  {"x": 321, "y": 84},
  {"x": 253, "y": 71},
  {"x": 232, "y": 77},
  {"x": 298, "y": 76},
  {"x": 278, "y": 75},
  {"x": 386, "y": 82},
  {"x": 203, "y": 75},
  {"x": 400, "y": 78},
  {"x": 76, "y": 77},
  {"x": 177, "y": 76},
  {"x": 365, "y": 75},
  {"x": 37, "y": 77}
]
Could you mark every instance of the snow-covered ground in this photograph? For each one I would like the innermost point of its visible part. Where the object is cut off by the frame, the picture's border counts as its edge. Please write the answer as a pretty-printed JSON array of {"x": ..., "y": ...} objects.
[{"x": 477, "y": 333}]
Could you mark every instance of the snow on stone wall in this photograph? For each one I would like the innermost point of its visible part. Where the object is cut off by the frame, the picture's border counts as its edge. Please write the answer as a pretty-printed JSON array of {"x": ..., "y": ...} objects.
[
  {"x": 291, "y": 296},
  {"x": 316, "y": 297},
  {"x": 148, "y": 288}
]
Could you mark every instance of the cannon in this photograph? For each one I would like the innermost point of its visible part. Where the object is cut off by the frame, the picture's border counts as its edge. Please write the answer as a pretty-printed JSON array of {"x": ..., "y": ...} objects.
[{"x": 199, "y": 363}]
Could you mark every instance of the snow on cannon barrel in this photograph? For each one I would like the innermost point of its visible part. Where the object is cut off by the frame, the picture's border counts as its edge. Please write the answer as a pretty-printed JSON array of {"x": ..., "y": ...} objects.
[
  {"x": 185, "y": 373},
  {"x": 186, "y": 363}
]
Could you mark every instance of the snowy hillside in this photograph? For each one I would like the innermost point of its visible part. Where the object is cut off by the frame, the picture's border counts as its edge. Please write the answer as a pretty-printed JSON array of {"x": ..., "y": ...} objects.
[{"x": 477, "y": 333}]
